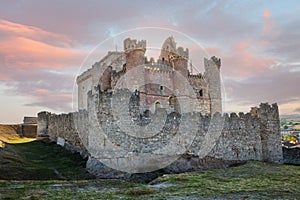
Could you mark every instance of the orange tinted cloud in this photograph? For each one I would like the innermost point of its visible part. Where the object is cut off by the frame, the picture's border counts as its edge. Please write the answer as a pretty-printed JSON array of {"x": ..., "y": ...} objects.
[
  {"x": 27, "y": 53},
  {"x": 16, "y": 30},
  {"x": 41, "y": 91},
  {"x": 242, "y": 45},
  {"x": 269, "y": 24},
  {"x": 266, "y": 14},
  {"x": 243, "y": 61}
]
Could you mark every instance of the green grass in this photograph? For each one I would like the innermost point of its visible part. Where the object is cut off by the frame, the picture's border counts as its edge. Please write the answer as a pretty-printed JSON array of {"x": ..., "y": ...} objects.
[
  {"x": 40, "y": 160},
  {"x": 254, "y": 180},
  {"x": 43, "y": 170}
]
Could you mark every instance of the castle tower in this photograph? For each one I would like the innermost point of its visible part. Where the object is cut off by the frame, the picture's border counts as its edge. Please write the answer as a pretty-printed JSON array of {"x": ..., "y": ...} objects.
[
  {"x": 180, "y": 64},
  {"x": 177, "y": 57},
  {"x": 135, "y": 53},
  {"x": 270, "y": 133},
  {"x": 212, "y": 73},
  {"x": 168, "y": 50}
]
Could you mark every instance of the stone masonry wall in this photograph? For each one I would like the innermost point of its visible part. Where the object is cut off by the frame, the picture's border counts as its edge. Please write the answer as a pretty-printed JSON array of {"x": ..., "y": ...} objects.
[
  {"x": 63, "y": 126},
  {"x": 30, "y": 120},
  {"x": 243, "y": 136}
]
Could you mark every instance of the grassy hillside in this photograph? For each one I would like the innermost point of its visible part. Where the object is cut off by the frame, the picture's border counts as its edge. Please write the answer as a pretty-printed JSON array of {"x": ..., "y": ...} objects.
[
  {"x": 255, "y": 180},
  {"x": 40, "y": 160},
  {"x": 43, "y": 170},
  {"x": 26, "y": 158}
]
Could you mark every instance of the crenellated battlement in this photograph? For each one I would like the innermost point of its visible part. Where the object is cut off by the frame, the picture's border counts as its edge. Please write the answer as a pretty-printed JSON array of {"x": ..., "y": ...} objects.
[
  {"x": 183, "y": 53},
  {"x": 196, "y": 76},
  {"x": 152, "y": 87},
  {"x": 109, "y": 59},
  {"x": 131, "y": 44},
  {"x": 213, "y": 61},
  {"x": 157, "y": 67}
]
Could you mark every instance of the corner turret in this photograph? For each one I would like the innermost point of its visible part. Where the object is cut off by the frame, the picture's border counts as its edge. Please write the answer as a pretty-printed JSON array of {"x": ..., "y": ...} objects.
[
  {"x": 135, "y": 53},
  {"x": 177, "y": 57}
]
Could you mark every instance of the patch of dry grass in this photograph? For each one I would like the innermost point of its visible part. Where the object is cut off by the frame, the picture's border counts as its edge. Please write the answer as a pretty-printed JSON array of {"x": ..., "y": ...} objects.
[{"x": 9, "y": 134}]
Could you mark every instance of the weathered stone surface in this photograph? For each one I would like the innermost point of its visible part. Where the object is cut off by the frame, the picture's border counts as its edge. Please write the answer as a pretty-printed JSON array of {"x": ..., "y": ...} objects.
[
  {"x": 106, "y": 73},
  {"x": 29, "y": 130},
  {"x": 243, "y": 137},
  {"x": 291, "y": 156},
  {"x": 130, "y": 108},
  {"x": 30, "y": 120}
]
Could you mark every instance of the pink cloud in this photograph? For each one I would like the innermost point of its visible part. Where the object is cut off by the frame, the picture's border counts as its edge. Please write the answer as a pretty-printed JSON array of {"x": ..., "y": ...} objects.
[
  {"x": 243, "y": 60},
  {"x": 25, "y": 48},
  {"x": 266, "y": 14},
  {"x": 16, "y": 30},
  {"x": 41, "y": 91},
  {"x": 33, "y": 63},
  {"x": 268, "y": 25},
  {"x": 240, "y": 46},
  {"x": 54, "y": 101},
  {"x": 26, "y": 53}
]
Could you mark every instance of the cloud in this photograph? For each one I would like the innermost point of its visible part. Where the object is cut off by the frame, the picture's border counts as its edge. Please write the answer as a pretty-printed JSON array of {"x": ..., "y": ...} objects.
[
  {"x": 12, "y": 29},
  {"x": 268, "y": 24},
  {"x": 271, "y": 86},
  {"x": 244, "y": 59},
  {"x": 38, "y": 64},
  {"x": 56, "y": 102},
  {"x": 258, "y": 44},
  {"x": 20, "y": 52},
  {"x": 266, "y": 14},
  {"x": 286, "y": 43},
  {"x": 297, "y": 110},
  {"x": 47, "y": 89}
]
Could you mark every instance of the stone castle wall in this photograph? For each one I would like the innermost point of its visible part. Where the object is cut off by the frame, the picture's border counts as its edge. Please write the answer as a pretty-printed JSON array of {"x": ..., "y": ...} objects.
[
  {"x": 63, "y": 127},
  {"x": 250, "y": 136},
  {"x": 170, "y": 69},
  {"x": 30, "y": 120},
  {"x": 160, "y": 94}
]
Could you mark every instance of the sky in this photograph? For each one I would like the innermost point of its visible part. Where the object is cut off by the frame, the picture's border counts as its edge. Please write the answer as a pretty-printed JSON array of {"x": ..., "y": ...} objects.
[{"x": 44, "y": 43}]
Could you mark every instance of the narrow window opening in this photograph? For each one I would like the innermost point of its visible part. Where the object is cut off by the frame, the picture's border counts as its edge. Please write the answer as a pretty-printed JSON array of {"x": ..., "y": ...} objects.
[{"x": 201, "y": 93}]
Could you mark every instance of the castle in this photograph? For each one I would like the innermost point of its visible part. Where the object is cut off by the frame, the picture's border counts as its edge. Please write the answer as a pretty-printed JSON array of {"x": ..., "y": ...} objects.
[
  {"x": 142, "y": 106},
  {"x": 206, "y": 87}
]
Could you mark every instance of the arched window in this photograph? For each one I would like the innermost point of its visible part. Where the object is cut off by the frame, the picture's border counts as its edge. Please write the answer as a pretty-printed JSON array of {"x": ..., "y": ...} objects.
[
  {"x": 161, "y": 88},
  {"x": 171, "y": 101},
  {"x": 157, "y": 105}
]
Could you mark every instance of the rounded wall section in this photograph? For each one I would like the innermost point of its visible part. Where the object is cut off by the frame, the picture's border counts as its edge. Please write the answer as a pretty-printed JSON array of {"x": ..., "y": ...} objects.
[
  {"x": 135, "y": 58},
  {"x": 180, "y": 65}
]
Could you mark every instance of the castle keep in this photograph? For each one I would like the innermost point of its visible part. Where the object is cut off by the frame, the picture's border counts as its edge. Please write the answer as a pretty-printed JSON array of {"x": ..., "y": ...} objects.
[
  {"x": 142, "y": 105},
  {"x": 153, "y": 95}
]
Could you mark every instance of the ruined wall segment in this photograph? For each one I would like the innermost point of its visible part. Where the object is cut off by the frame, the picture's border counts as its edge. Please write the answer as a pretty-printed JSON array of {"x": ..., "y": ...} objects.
[
  {"x": 65, "y": 127},
  {"x": 270, "y": 132},
  {"x": 30, "y": 120},
  {"x": 243, "y": 136},
  {"x": 212, "y": 73},
  {"x": 251, "y": 136},
  {"x": 43, "y": 123}
]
